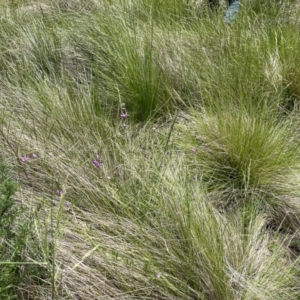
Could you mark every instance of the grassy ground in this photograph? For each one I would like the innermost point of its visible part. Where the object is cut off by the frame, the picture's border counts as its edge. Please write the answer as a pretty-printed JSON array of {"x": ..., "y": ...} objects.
[{"x": 149, "y": 151}]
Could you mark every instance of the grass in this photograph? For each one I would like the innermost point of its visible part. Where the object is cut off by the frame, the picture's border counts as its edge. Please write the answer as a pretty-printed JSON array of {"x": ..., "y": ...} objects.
[
  {"x": 155, "y": 150},
  {"x": 19, "y": 252},
  {"x": 238, "y": 154}
]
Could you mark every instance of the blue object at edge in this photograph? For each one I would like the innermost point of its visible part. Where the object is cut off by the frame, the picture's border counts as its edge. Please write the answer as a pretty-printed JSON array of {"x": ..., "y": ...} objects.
[{"x": 232, "y": 11}]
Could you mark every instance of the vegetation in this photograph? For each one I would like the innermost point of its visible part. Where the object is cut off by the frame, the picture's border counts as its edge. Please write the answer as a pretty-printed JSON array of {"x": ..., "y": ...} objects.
[
  {"x": 17, "y": 245},
  {"x": 149, "y": 151}
]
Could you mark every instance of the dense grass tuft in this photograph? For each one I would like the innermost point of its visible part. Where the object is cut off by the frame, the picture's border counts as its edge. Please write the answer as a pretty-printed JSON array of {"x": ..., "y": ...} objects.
[{"x": 239, "y": 155}]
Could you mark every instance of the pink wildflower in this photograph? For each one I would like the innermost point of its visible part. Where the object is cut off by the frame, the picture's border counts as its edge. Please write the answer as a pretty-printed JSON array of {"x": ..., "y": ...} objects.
[
  {"x": 24, "y": 158},
  {"x": 59, "y": 192},
  {"x": 97, "y": 162}
]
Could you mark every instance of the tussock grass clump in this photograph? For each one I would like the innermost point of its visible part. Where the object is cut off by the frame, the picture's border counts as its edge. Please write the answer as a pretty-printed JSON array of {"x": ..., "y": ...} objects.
[
  {"x": 239, "y": 154},
  {"x": 127, "y": 69}
]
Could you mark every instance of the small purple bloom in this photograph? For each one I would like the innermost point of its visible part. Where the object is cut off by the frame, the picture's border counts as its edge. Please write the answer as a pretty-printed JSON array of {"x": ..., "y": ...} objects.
[
  {"x": 33, "y": 155},
  {"x": 123, "y": 115},
  {"x": 24, "y": 158},
  {"x": 158, "y": 275},
  {"x": 193, "y": 150},
  {"x": 59, "y": 192},
  {"x": 97, "y": 162}
]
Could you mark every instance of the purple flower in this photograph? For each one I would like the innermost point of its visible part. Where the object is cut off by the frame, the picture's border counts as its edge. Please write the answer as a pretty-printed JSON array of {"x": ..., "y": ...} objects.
[
  {"x": 59, "y": 192},
  {"x": 97, "y": 162},
  {"x": 24, "y": 158},
  {"x": 193, "y": 150},
  {"x": 123, "y": 115},
  {"x": 158, "y": 275}
]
